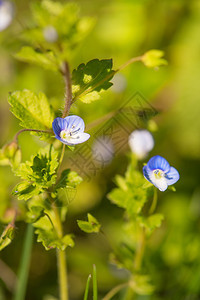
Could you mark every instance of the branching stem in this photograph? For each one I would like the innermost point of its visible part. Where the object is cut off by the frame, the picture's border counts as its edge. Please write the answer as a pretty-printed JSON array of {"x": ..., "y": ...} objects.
[{"x": 26, "y": 129}]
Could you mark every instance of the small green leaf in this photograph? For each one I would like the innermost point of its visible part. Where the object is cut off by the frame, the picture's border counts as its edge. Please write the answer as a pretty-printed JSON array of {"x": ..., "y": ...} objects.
[
  {"x": 153, "y": 58},
  {"x": 50, "y": 240},
  {"x": 46, "y": 60},
  {"x": 151, "y": 223},
  {"x": 34, "y": 214},
  {"x": 68, "y": 179},
  {"x": 90, "y": 80},
  {"x": 141, "y": 285},
  {"x": 92, "y": 225},
  {"x": 39, "y": 174},
  {"x": 32, "y": 110},
  {"x": 25, "y": 190},
  {"x": 7, "y": 236}
]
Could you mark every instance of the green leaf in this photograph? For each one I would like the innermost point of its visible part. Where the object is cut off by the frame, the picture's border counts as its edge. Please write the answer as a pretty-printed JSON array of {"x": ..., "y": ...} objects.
[
  {"x": 151, "y": 223},
  {"x": 50, "y": 240},
  {"x": 68, "y": 179},
  {"x": 153, "y": 58},
  {"x": 32, "y": 110},
  {"x": 92, "y": 225},
  {"x": 7, "y": 236},
  {"x": 46, "y": 60},
  {"x": 25, "y": 190},
  {"x": 90, "y": 80},
  {"x": 141, "y": 285},
  {"x": 39, "y": 174}
]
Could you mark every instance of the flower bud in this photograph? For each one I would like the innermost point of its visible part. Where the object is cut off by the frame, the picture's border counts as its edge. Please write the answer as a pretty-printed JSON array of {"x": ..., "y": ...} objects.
[
  {"x": 6, "y": 14},
  {"x": 141, "y": 143},
  {"x": 12, "y": 152}
]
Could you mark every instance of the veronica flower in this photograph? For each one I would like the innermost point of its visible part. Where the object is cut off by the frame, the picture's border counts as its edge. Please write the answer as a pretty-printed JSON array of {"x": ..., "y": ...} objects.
[
  {"x": 70, "y": 130},
  {"x": 159, "y": 173},
  {"x": 141, "y": 142},
  {"x": 6, "y": 14}
]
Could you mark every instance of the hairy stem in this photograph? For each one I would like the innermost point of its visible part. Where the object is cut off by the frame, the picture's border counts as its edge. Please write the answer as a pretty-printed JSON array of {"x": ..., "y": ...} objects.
[
  {"x": 68, "y": 92},
  {"x": 24, "y": 265},
  {"x": 26, "y": 129}
]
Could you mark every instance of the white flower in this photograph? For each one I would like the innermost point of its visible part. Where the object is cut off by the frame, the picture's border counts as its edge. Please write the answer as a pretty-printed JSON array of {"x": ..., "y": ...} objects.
[
  {"x": 50, "y": 34},
  {"x": 6, "y": 14},
  {"x": 141, "y": 143},
  {"x": 103, "y": 150}
]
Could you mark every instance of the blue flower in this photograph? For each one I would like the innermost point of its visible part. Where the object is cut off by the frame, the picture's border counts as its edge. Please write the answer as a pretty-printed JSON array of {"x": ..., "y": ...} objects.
[
  {"x": 159, "y": 173},
  {"x": 70, "y": 130}
]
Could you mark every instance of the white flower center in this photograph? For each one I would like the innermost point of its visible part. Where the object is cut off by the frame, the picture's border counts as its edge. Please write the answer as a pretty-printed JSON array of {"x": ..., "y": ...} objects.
[
  {"x": 70, "y": 133},
  {"x": 159, "y": 174}
]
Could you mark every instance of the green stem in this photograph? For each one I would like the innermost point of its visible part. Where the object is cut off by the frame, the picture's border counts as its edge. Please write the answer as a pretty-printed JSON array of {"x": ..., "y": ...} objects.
[
  {"x": 62, "y": 274},
  {"x": 94, "y": 283},
  {"x": 24, "y": 265},
  {"x": 62, "y": 154},
  {"x": 154, "y": 202},
  {"x": 61, "y": 259},
  {"x": 140, "y": 251},
  {"x": 114, "y": 291}
]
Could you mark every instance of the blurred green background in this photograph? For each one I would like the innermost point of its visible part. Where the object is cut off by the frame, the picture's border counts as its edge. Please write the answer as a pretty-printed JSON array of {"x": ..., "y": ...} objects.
[{"x": 123, "y": 29}]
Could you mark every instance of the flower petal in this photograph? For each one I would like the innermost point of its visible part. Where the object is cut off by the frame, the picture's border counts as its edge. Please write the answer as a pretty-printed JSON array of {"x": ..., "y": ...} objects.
[
  {"x": 160, "y": 183},
  {"x": 172, "y": 176},
  {"x": 75, "y": 121},
  {"x": 58, "y": 125},
  {"x": 147, "y": 172},
  {"x": 158, "y": 162},
  {"x": 75, "y": 139}
]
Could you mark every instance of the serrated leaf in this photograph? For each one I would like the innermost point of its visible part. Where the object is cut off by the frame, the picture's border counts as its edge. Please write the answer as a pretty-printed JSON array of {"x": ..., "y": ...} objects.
[
  {"x": 50, "y": 240},
  {"x": 92, "y": 225},
  {"x": 153, "y": 58},
  {"x": 68, "y": 178},
  {"x": 32, "y": 110},
  {"x": 25, "y": 190},
  {"x": 90, "y": 79},
  {"x": 130, "y": 195},
  {"x": 7, "y": 236},
  {"x": 39, "y": 174},
  {"x": 151, "y": 223},
  {"x": 35, "y": 213},
  {"x": 46, "y": 60}
]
